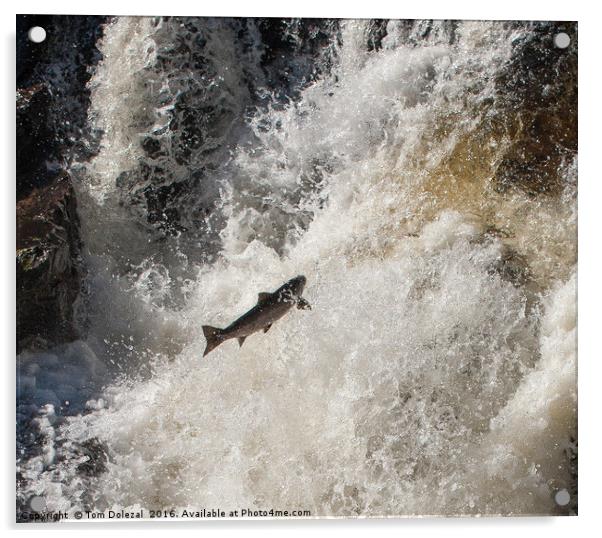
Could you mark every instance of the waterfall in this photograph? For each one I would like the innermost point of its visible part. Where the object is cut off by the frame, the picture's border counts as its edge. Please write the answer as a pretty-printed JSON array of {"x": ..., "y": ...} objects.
[{"x": 436, "y": 371}]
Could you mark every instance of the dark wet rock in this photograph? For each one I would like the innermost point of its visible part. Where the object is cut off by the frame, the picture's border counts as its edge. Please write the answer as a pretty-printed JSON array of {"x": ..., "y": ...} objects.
[
  {"x": 35, "y": 140},
  {"x": 413, "y": 33},
  {"x": 161, "y": 209},
  {"x": 49, "y": 267},
  {"x": 377, "y": 31},
  {"x": 538, "y": 90},
  {"x": 511, "y": 267},
  {"x": 572, "y": 455},
  {"x": 62, "y": 66},
  {"x": 95, "y": 458},
  {"x": 294, "y": 51},
  {"x": 52, "y": 101}
]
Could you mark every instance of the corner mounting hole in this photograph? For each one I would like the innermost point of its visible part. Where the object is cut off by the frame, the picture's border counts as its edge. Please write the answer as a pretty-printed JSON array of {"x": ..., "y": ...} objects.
[
  {"x": 562, "y": 40},
  {"x": 37, "y": 34},
  {"x": 37, "y": 503},
  {"x": 562, "y": 497}
]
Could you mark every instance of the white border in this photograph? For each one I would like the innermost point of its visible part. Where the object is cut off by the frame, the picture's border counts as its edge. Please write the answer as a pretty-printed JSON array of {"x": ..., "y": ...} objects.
[
  {"x": 438, "y": 9},
  {"x": 590, "y": 123}
]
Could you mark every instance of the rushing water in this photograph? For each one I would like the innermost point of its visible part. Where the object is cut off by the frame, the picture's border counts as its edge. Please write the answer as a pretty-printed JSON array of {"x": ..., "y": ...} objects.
[{"x": 436, "y": 371}]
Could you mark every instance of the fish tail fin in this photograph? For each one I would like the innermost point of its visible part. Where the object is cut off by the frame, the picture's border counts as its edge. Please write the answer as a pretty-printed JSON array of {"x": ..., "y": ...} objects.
[{"x": 214, "y": 337}]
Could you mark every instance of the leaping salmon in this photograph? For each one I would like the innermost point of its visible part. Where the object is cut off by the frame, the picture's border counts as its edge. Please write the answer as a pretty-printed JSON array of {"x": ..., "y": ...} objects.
[{"x": 270, "y": 307}]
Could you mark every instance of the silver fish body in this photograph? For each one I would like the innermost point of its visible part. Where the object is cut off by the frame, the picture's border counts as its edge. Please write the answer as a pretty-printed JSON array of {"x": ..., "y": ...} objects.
[{"x": 270, "y": 307}]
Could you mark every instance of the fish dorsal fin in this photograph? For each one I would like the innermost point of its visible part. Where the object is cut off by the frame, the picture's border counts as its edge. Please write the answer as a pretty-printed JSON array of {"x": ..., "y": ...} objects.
[
  {"x": 263, "y": 296},
  {"x": 241, "y": 341}
]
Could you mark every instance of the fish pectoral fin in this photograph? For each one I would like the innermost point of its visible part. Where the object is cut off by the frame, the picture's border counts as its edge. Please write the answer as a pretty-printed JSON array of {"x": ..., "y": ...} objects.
[
  {"x": 267, "y": 328},
  {"x": 263, "y": 296},
  {"x": 241, "y": 341},
  {"x": 302, "y": 304}
]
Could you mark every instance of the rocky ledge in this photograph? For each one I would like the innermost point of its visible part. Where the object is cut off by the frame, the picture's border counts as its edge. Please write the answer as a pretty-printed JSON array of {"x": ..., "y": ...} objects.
[
  {"x": 49, "y": 267},
  {"x": 52, "y": 102}
]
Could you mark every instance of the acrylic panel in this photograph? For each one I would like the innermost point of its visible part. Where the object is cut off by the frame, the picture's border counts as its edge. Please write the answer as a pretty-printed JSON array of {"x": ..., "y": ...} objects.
[{"x": 295, "y": 268}]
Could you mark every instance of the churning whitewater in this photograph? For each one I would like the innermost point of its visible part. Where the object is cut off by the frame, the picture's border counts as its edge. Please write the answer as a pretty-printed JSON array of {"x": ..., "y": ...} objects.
[{"x": 436, "y": 370}]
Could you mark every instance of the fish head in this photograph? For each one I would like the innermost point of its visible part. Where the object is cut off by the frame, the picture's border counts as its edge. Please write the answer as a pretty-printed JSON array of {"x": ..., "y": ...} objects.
[{"x": 297, "y": 284}]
